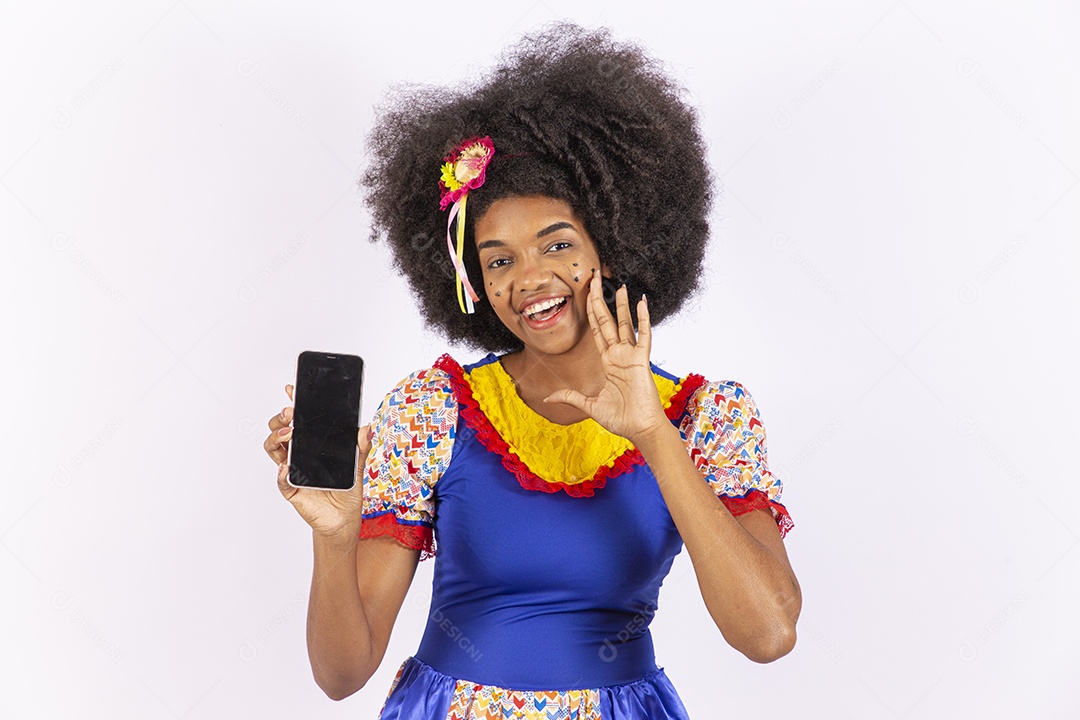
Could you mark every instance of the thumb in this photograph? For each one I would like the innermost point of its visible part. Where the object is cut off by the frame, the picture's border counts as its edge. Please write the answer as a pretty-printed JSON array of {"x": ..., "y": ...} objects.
[
  {"x": 363, "y": 439},
  {"x": 573, "y": 398},
  {"x": 363, "y": 442}
]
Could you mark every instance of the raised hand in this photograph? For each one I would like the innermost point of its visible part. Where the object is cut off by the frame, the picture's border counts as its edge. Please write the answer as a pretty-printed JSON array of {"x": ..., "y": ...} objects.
[{"x": 628, "y": 404}]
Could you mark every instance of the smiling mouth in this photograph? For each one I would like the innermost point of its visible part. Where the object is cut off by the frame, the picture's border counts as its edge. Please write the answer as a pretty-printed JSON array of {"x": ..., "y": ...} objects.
[{"x": 538, "y": 312}]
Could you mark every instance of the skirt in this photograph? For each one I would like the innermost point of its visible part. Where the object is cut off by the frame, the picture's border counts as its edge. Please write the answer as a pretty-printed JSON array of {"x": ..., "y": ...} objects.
[{"x": 420, "y": 692}]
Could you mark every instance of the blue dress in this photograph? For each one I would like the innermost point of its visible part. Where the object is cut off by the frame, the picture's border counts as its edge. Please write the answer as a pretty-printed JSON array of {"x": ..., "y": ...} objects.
[{"x": 544, "y": 585}]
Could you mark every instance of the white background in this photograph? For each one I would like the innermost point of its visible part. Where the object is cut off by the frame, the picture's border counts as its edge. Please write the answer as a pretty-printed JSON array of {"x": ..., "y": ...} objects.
[{"x": 893, "y": 275}]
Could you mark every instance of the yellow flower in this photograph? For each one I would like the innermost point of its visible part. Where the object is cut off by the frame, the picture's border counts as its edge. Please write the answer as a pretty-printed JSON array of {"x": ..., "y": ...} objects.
[{"x": 449, "y": 178}]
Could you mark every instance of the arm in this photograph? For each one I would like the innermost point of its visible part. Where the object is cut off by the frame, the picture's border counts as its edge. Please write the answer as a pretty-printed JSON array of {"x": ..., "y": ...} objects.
[
  {"x": 363, "y": 573},
  {"x": 357, "y": 585},
  {"x": 742, "y": 568},
  {"x": 357, "y": 590},
  {"x": 743, "y": 571}
]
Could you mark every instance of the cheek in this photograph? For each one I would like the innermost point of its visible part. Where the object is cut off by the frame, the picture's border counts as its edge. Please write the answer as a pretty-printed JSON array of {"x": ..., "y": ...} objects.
[
  {"x": 493, "y": 287},
  {"x": 498, "y": 295},
  {"x": 581, "y": 269},
  {"x": 581, "y": 264},
  {"x": 574, "y": 270}
]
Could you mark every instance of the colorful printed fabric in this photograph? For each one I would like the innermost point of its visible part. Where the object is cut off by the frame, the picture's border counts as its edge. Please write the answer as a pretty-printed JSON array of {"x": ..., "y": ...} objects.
[
  {"x": 435, "y": 696},
  {"x": 412, "y": 436},
  {"x": 723, "y": 427},
  {"x": 414, "y": 428},
  {"x": 488, "y": 702}
]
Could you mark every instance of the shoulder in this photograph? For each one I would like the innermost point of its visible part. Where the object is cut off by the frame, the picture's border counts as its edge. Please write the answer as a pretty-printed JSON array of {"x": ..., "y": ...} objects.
[
  {"x": 418, "y": 417},
  {"x": 728, "y": 397},
  {"x": 726, "y": 438},
  {"x": 426, "y": 383},
  {"x": 721, "y": 415},
  {"x": 709, "y": 413},
  {"x": 412, "y": 432},
  {"x": 428, "y": 389}
]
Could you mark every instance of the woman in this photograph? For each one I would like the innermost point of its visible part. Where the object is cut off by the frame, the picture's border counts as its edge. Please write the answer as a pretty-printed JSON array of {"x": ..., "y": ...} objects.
[{"x": 562, "y": 475}]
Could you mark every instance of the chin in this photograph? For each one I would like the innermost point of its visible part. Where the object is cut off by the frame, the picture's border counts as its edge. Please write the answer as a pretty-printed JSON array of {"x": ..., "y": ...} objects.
[{"x": 558, "y": 343}]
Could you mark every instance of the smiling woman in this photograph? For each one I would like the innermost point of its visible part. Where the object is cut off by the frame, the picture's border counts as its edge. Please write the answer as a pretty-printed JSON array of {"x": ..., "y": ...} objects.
[
  {"x": 554, "y": 483},
  {"x": 537, "y": 260}
]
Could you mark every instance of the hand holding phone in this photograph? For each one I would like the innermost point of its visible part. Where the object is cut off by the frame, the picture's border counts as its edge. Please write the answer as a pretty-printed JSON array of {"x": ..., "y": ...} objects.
[{"x": 329, "y": 512}]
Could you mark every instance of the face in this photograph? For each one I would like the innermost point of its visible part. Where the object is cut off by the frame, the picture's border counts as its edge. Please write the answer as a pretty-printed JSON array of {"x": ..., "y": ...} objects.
[{"x": 537, "y": 260}]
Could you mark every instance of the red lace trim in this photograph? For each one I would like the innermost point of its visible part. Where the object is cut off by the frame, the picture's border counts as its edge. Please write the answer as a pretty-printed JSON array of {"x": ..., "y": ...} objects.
[
  {"x": 757, "y": 500},
  {"x": 490, "y": 438},
  {"x": 415, "y": 537}
]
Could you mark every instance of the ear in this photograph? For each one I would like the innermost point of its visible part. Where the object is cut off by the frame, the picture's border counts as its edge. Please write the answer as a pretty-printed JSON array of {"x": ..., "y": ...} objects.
[{"x": 605, "y": 270}]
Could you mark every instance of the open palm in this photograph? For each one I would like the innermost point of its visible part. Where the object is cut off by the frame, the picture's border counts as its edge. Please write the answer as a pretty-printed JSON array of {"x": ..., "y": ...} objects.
[{"x": 628, "y": 404}]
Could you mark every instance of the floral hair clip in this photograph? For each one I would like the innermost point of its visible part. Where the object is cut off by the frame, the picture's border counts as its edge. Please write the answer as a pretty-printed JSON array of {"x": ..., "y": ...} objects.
[{"x": 463, "y": 170}]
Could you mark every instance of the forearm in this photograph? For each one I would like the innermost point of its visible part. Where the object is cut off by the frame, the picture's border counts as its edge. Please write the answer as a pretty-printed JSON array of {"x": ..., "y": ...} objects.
[
  {"x": 749, "y": 592},
  {"x": 339, "y": 639}
]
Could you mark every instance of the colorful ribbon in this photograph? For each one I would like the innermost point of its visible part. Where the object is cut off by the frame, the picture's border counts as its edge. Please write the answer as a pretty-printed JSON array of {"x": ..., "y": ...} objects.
[{"x": 465, "y": 300}]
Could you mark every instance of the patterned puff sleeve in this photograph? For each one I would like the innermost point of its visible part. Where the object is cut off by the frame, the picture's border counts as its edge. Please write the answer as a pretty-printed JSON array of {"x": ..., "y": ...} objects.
[
  {"x": 723, "y": 430},
  {"x": 412, "y": 434}
]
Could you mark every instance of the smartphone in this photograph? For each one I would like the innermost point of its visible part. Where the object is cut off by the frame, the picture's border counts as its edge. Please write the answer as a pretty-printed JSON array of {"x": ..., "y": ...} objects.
[{"x": 323, "y": 452}]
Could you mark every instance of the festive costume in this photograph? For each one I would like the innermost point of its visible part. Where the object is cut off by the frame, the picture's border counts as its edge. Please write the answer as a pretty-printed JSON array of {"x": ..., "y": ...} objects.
[{"x": 552, "y": 542}]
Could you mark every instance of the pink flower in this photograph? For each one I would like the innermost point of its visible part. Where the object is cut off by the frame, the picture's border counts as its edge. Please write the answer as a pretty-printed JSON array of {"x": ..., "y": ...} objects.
[{"x": 464, "y": 169}]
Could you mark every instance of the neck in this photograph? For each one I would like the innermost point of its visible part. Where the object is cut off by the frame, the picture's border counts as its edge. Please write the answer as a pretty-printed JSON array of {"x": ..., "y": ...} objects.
[{"x": 538, "y": 375}]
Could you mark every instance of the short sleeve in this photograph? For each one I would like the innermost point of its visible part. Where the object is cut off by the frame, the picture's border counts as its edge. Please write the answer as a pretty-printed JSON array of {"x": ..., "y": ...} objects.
[
  {"x": 412, "y": 435},
  {"x": 726, "y": 439}
]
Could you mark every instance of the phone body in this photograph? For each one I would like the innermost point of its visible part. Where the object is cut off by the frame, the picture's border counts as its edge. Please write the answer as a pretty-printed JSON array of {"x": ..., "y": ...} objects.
[{"x": 323, "y": 452}]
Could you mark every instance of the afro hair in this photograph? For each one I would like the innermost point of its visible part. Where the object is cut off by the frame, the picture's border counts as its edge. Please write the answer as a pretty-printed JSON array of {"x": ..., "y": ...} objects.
[{"x": 574, "y": 115}]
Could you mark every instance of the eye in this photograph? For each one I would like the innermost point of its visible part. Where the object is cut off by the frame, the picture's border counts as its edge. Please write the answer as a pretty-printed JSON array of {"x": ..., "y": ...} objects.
[
  {"x": 497, "y": 263},
  {"x": 560, "y": 245}
]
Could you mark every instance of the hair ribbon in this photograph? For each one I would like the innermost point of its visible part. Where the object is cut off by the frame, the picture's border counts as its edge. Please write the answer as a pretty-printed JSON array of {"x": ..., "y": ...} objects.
[{"x": 463, "y": 170}]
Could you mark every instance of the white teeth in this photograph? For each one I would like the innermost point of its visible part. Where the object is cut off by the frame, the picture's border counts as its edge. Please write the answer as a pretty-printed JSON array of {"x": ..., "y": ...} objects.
[{"x": 542, "y": 306}]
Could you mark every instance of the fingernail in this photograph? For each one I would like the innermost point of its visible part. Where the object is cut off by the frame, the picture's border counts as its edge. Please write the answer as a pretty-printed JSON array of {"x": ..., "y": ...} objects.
[
  {"x": 283, "y": 413},
  {"x": 284, "y": 431}
]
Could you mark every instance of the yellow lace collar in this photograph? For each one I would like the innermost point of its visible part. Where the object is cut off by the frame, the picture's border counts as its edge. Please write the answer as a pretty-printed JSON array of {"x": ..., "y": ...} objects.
[{"x": 561, "y": 455}]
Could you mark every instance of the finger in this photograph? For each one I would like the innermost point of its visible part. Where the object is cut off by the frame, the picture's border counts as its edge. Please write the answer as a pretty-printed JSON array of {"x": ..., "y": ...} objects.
[
  {"x": 281, "y": 419},
  {"x": 289, "y": 391},
  {"x": 594, "y": 326},
  {"x": 644, "y": 326},
  {"x": 622, "y": 311},
  {"x": 283, "y": 481},
  {"x": 573, "y": 398},
  {"x": 277, "y": 444},
  {"x": 604, "y": 321}
]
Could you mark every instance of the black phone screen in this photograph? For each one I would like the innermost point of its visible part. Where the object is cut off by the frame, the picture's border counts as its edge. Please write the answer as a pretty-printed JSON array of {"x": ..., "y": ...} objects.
[{"x": 326, "y": 414}]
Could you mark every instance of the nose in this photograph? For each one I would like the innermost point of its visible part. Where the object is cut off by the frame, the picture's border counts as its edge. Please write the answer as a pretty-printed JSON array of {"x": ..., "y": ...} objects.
[{"x": 532, "y": 274}]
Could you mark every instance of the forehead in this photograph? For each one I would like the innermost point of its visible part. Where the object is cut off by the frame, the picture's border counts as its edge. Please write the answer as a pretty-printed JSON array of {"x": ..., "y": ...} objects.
[{"x": 522, "y": 217}]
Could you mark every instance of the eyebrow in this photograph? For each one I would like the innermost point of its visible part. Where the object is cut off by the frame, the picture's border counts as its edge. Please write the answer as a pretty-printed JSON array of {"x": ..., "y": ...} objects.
[{"x": 554, "y": 227}]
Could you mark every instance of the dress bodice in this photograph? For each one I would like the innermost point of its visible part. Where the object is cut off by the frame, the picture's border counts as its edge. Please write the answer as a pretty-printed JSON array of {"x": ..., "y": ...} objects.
[
  {"x": 545, "y": 581},
  {"x": 523, "y": 578}
]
